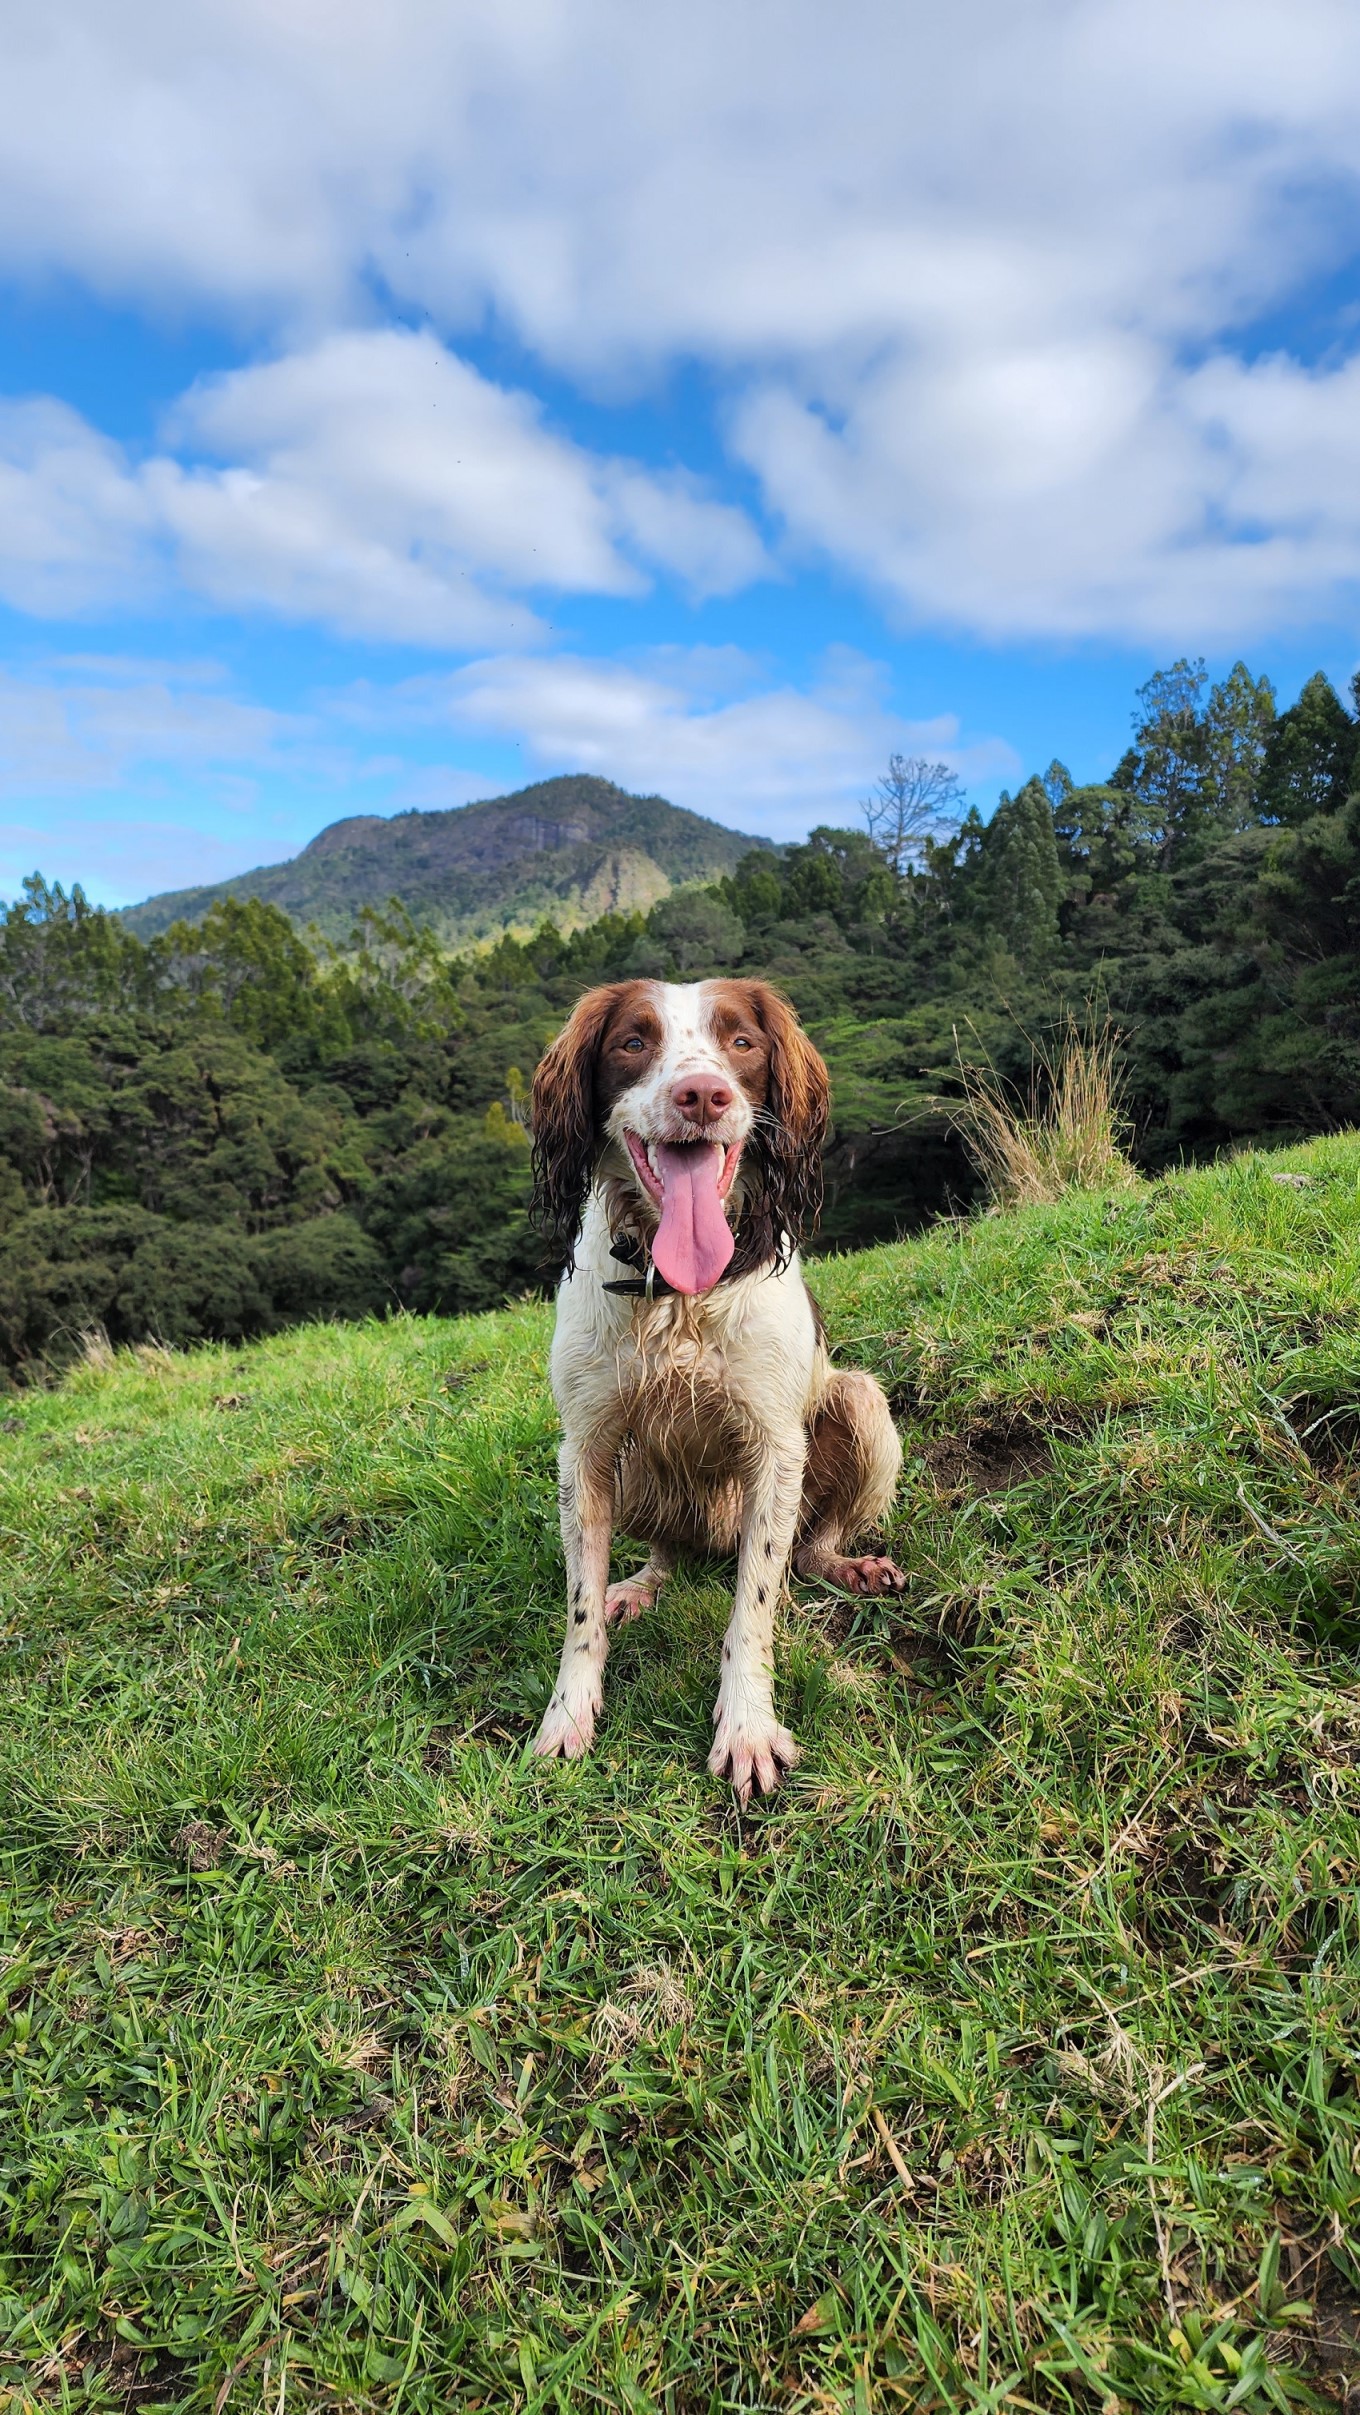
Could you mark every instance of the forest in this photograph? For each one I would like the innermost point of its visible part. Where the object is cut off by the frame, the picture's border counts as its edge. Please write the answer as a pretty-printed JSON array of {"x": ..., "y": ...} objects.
[{"x": 232, "y": 1126}]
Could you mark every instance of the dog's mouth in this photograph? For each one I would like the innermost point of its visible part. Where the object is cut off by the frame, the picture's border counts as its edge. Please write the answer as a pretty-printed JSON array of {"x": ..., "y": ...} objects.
[{"x": 689, "y": 1182}]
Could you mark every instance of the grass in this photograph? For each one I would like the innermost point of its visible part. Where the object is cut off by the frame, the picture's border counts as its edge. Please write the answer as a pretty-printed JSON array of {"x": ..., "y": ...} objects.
[
  {"x": 1030, "y": 1157},
  {"x": 1007, "y": 2058}
]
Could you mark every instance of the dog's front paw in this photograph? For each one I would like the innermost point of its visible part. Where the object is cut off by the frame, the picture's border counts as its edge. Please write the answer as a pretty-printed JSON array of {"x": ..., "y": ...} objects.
[
  {"x": 751, "y": 1751},
  {"x": 568, "y": 1730}
]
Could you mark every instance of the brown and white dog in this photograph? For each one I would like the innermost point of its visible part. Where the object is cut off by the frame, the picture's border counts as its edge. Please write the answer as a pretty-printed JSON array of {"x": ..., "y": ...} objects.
[{"x": 678, "y": 1134}]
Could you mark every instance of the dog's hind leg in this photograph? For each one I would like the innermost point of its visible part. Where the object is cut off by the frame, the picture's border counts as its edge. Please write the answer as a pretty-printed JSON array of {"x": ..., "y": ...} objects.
[{"x": 854, "y": 1461}]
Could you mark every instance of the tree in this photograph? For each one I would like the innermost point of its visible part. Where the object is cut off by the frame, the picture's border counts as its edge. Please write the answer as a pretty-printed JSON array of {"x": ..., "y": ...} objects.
[
  {"x": 1195, "y": 764},
  {"x": 1167, "y": 767},
  {"x": 1310, "y": 756},
  {"x": 1019, "y": 875},
  {"x": 688, "y": 934},
  {"x": 837, "y": 872},
  {"x": 1237, "y": 724},
  {"x": 913, "y": 801},
  {"x": 62, "y": 959}
]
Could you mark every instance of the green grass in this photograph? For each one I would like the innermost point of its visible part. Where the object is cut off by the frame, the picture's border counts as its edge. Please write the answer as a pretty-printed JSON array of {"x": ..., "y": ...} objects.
[{"x": 1007, "y": 2058}]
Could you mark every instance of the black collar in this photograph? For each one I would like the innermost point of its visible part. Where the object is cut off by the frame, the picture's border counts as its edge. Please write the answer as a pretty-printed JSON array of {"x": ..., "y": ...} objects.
[
  {"x": 650, "y": 1285},
  {"x": 629, "y": 1251}
]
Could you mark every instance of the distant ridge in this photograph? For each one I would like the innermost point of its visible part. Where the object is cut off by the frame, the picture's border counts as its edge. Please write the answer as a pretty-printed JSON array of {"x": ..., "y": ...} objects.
[{"x": 571, "y": 848}]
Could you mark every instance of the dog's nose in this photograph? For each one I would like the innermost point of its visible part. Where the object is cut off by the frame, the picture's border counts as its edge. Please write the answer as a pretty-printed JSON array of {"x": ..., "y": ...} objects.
[{"x": 702, "y": 1098}]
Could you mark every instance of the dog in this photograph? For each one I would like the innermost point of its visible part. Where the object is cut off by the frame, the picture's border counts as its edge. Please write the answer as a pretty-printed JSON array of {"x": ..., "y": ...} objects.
[{"x": 678, "y": 1132}]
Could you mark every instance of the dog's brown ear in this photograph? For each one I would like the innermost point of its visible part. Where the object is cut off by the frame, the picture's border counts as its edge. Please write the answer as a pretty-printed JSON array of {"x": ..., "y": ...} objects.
[
  {"x": 566, "y": 1142},
  {"x": 793, "y": 1129}
]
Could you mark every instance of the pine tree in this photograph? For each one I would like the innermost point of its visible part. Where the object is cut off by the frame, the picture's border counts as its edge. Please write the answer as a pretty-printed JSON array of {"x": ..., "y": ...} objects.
[
  {"x": 1238, "y": 720},
  {"x": 1020, "y": 876},
  {"x": 1167, "y": 771},
  {"x": 1310, "y": 758}
]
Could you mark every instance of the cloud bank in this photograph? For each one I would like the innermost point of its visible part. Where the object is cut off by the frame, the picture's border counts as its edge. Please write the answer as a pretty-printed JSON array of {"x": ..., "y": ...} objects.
[
  {"x": 373, "y": 483},
  {"x": 986, "y": 295}
]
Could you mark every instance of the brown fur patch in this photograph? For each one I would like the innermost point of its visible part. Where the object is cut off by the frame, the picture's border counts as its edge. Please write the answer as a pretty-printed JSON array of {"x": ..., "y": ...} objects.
[
  {"x": 567, "y": 1106},
  {"x": 791, "y": 1125}
]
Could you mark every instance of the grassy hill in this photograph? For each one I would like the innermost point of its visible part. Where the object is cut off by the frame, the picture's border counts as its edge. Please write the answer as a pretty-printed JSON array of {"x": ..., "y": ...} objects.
[
  {"x": 1008, "y": 2057},
  {"x": 572, "y": 849}
]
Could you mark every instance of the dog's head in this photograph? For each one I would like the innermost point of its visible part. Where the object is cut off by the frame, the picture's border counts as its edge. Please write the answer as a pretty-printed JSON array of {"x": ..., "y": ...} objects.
[{"x": 704, "y": 1102}]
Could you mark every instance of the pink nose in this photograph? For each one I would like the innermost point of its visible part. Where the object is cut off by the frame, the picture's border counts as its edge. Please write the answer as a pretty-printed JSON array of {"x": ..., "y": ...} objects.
[{"x": 702, "y": 1098}]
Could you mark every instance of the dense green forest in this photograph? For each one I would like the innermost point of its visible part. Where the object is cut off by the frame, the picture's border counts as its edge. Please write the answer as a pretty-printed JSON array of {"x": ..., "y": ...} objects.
[{"x": 224, "y": 1129}]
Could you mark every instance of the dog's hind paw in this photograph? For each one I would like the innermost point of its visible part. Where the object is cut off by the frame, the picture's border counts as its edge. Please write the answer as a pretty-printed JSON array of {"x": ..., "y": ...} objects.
[
  {"x": 869, "y": 1575},
  {"x": 628, "y": 1599}
]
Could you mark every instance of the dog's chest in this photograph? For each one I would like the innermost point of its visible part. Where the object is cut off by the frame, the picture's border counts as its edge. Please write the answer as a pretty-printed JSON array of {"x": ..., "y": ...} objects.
[{"x": 683, "y": 1401}]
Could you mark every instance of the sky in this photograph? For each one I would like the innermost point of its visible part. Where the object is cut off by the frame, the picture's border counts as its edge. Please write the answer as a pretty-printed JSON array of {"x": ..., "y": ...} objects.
[{"x": 398, "y": 405}]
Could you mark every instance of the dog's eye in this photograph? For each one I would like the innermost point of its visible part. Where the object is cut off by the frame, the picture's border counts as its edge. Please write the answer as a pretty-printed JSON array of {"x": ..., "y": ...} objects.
[
  {"x": 635, "y": 1042},
  {"x": 741, "y": 1041}
]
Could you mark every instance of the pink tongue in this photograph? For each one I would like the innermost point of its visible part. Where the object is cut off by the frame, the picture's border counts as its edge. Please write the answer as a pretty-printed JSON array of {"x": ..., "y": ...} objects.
[{"x": 694, "y": 1240}]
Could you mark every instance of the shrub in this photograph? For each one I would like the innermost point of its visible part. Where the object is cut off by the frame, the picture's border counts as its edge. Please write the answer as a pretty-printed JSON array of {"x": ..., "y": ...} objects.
[{"x": 1066, "y": 1137}]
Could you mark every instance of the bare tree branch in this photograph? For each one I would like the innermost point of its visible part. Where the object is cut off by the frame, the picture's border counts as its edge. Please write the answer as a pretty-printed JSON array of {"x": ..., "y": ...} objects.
[{"x": 913, "y": 801}]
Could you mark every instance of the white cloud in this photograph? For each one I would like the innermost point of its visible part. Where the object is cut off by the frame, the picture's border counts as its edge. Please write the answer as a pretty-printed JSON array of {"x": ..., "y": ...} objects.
[
  {"x": 92, "y": 725},
  {"x": 702, "y": 727},
  {"x": 1080, "y": 488},
  {"x": 625, "y": 184},
  {"x": 372, "y": 482},
  {"x": 73, "y": 526},
  {"x": 956, "y": 272}
]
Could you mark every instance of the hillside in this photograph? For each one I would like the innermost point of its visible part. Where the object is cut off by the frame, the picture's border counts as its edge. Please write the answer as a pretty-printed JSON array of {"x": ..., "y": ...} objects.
[
  {"x": 570, "y": 849},
  {"x": 1008, "y": 2057}
]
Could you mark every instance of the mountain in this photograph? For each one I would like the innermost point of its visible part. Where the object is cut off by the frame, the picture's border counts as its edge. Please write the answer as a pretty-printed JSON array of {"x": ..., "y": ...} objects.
[{"x": 571, "y": 848}]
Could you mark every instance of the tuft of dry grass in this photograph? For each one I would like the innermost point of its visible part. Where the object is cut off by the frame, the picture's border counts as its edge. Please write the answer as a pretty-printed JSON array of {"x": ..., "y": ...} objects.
[{"x": 1068, "y": 1134}]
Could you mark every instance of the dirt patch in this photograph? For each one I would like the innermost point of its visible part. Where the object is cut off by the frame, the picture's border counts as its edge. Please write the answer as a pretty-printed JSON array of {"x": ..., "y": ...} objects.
[
  {"x": 458, "y": 1378},
  {"x": 1328, "y": 1434},
  {"x": 440, "y": 1749},
  {"x": 336, "y": 1530},
  {"x": 1180, "y": 1885},
  {"x": 135, "y": 2380},
  {"x": 991, "y": 1456},
  {"x": 1333, "y": 2349},
  {"x": 201, "y": 1845},
  {"x": 1326, "y": 2344}
]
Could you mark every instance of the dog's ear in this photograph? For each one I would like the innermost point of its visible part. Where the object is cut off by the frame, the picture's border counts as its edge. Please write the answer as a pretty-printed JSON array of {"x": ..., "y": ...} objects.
[
  {"x": 566, "y": 1141},
  {"x": 793, "y": 1129}
]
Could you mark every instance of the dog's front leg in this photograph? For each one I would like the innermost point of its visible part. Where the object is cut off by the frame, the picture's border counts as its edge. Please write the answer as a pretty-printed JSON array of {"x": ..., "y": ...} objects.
[
  {"x": 750, "y": 1746},
  {"x": 586, "y": 1498}
]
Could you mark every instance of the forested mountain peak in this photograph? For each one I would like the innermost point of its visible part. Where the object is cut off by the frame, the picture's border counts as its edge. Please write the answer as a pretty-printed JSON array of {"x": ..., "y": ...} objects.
[{"x": 571, "y": 849}]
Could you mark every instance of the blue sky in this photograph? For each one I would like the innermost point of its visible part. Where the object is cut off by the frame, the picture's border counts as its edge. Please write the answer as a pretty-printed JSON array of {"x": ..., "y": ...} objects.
[{"x": 397, "y": 406}]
